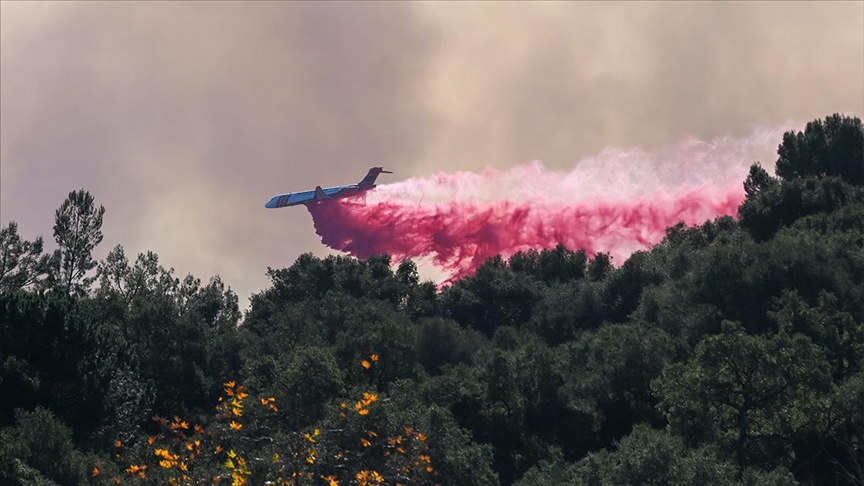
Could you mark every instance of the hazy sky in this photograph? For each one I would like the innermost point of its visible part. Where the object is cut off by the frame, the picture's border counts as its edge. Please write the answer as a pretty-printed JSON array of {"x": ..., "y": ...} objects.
[{"x": 183, "y": 118}]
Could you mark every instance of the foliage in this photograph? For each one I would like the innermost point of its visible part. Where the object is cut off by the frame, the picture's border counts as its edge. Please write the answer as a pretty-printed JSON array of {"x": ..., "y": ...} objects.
[
  {"x": 77, "y": 230},
  {"x": 748, "y": 394},
  {"x": 831, "y": 147},
  {"x": 38, "y": 449},
  {"x": 730, "y": 353}
]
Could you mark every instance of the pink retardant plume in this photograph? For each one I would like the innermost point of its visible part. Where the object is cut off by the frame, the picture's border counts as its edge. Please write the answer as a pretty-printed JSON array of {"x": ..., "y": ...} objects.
[{"x": 617, "y": 202}]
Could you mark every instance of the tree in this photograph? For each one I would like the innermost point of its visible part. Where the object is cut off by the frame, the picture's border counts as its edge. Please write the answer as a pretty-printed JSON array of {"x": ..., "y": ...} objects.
[
  {"x": 653, "y": 457},
  {"x": 305, "y": 381},
  {"x": 22, "y": 263},
  {"x": 607, "y": 374},
  {"x": 491, "y": 298},
  {"x": 758, "y": 180},
  {"x": 834, "y": 147},
  {"x": 40, "y": 447},
  {"x": 600, "y": 266},
  {"x": 750, "y": 394},
  {"x": 772, "y": 207},
  {"x": 77, "y": 230},
  {"x": 556, "y": 265}
]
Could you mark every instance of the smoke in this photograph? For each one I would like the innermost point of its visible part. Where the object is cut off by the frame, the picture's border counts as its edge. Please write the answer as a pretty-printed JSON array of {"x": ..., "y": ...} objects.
[{"x": 617, "y": 202}]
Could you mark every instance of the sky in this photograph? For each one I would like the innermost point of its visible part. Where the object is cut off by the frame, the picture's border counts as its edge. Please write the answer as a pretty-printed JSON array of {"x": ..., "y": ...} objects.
[{"x": 184, "y": 118}]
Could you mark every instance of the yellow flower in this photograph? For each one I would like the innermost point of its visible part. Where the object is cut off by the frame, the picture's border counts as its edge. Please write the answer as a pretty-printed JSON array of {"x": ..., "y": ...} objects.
[
  {"x": 96, "y": 471},
  {"x": 365, "y": 442},
  {"x": 136, "y": 469},
  {"x": 118, "y": 444},
  {"x": 374, "y": 358},
  {"x": 235, "y": 426},
  {"x": 275, "y": 457},
  {"x": 331, "y": 480},
  {"x": 232, "y": 454},
  {"x": 363, "y": 411},
  {"x": 179, "y": 424},
  {"x": 365, "y": 364},
  {"x": 229, "y": 384},
  {"x": 420, "y": 437},
  {"x": 365, "y": 478}
]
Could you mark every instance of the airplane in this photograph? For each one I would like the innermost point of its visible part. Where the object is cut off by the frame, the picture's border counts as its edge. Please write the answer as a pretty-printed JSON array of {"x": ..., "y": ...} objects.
[{"x": 328, "y": 193}]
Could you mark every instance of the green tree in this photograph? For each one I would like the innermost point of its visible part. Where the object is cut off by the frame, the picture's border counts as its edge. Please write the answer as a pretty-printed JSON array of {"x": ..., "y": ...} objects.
[
  {"x": 653, "y": 457},
  {"x": 39, "y": 449},
  {"x": 22, "y": 264},
  {"x": 77, "y": 230},
  {"x": 848, "y": 430},
  {"x": 833, "y": 147},
  {"x": 441, "y": 342},
  {"x": 549, "y": 266},
  {"x": 600, "y": 266},
  {"x": 305, "y": 381},
  {"x": 750, "y": 394},
  {"x": 607, "y": 375},
  {"x": 491, "y": 298},
  {"x": 566, "y": 309},
  {"x": 781, "y": 205},
  {"x": 828, "y": 326}
]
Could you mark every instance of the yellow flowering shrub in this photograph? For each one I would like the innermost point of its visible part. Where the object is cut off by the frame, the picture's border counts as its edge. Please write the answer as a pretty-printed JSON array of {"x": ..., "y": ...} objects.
[{"x": 244, "y": 445}]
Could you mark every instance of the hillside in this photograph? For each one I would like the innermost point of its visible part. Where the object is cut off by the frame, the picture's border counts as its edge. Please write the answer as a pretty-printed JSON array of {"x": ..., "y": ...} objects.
[{"x": 730, "y": 353}]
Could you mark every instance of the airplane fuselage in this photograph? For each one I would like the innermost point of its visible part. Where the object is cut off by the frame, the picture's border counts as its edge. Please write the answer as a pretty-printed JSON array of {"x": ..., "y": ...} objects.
[
  {"x": 307, "y": 197},
  {"x": 318, "y": 194}
]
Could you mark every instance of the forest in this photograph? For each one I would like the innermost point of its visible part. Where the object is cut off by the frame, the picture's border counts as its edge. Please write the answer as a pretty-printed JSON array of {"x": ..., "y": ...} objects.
[{"x": 731, "y": 353}]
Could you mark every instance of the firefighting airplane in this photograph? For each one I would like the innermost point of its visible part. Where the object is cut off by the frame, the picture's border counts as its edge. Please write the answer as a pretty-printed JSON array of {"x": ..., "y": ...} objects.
[{"x": 328, "y": 193}]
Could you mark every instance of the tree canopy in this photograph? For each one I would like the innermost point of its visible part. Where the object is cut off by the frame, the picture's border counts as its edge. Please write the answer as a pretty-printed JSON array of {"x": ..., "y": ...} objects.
[{"x": 730, "y": 353}]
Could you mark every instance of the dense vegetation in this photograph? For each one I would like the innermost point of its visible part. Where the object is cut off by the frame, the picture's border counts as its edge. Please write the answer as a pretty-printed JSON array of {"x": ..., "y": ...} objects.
[{"x": 730, "y": 353}]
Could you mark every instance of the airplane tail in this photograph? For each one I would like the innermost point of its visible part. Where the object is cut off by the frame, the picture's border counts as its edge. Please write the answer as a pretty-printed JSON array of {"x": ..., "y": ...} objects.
[{"x": 368, "y": 182}]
